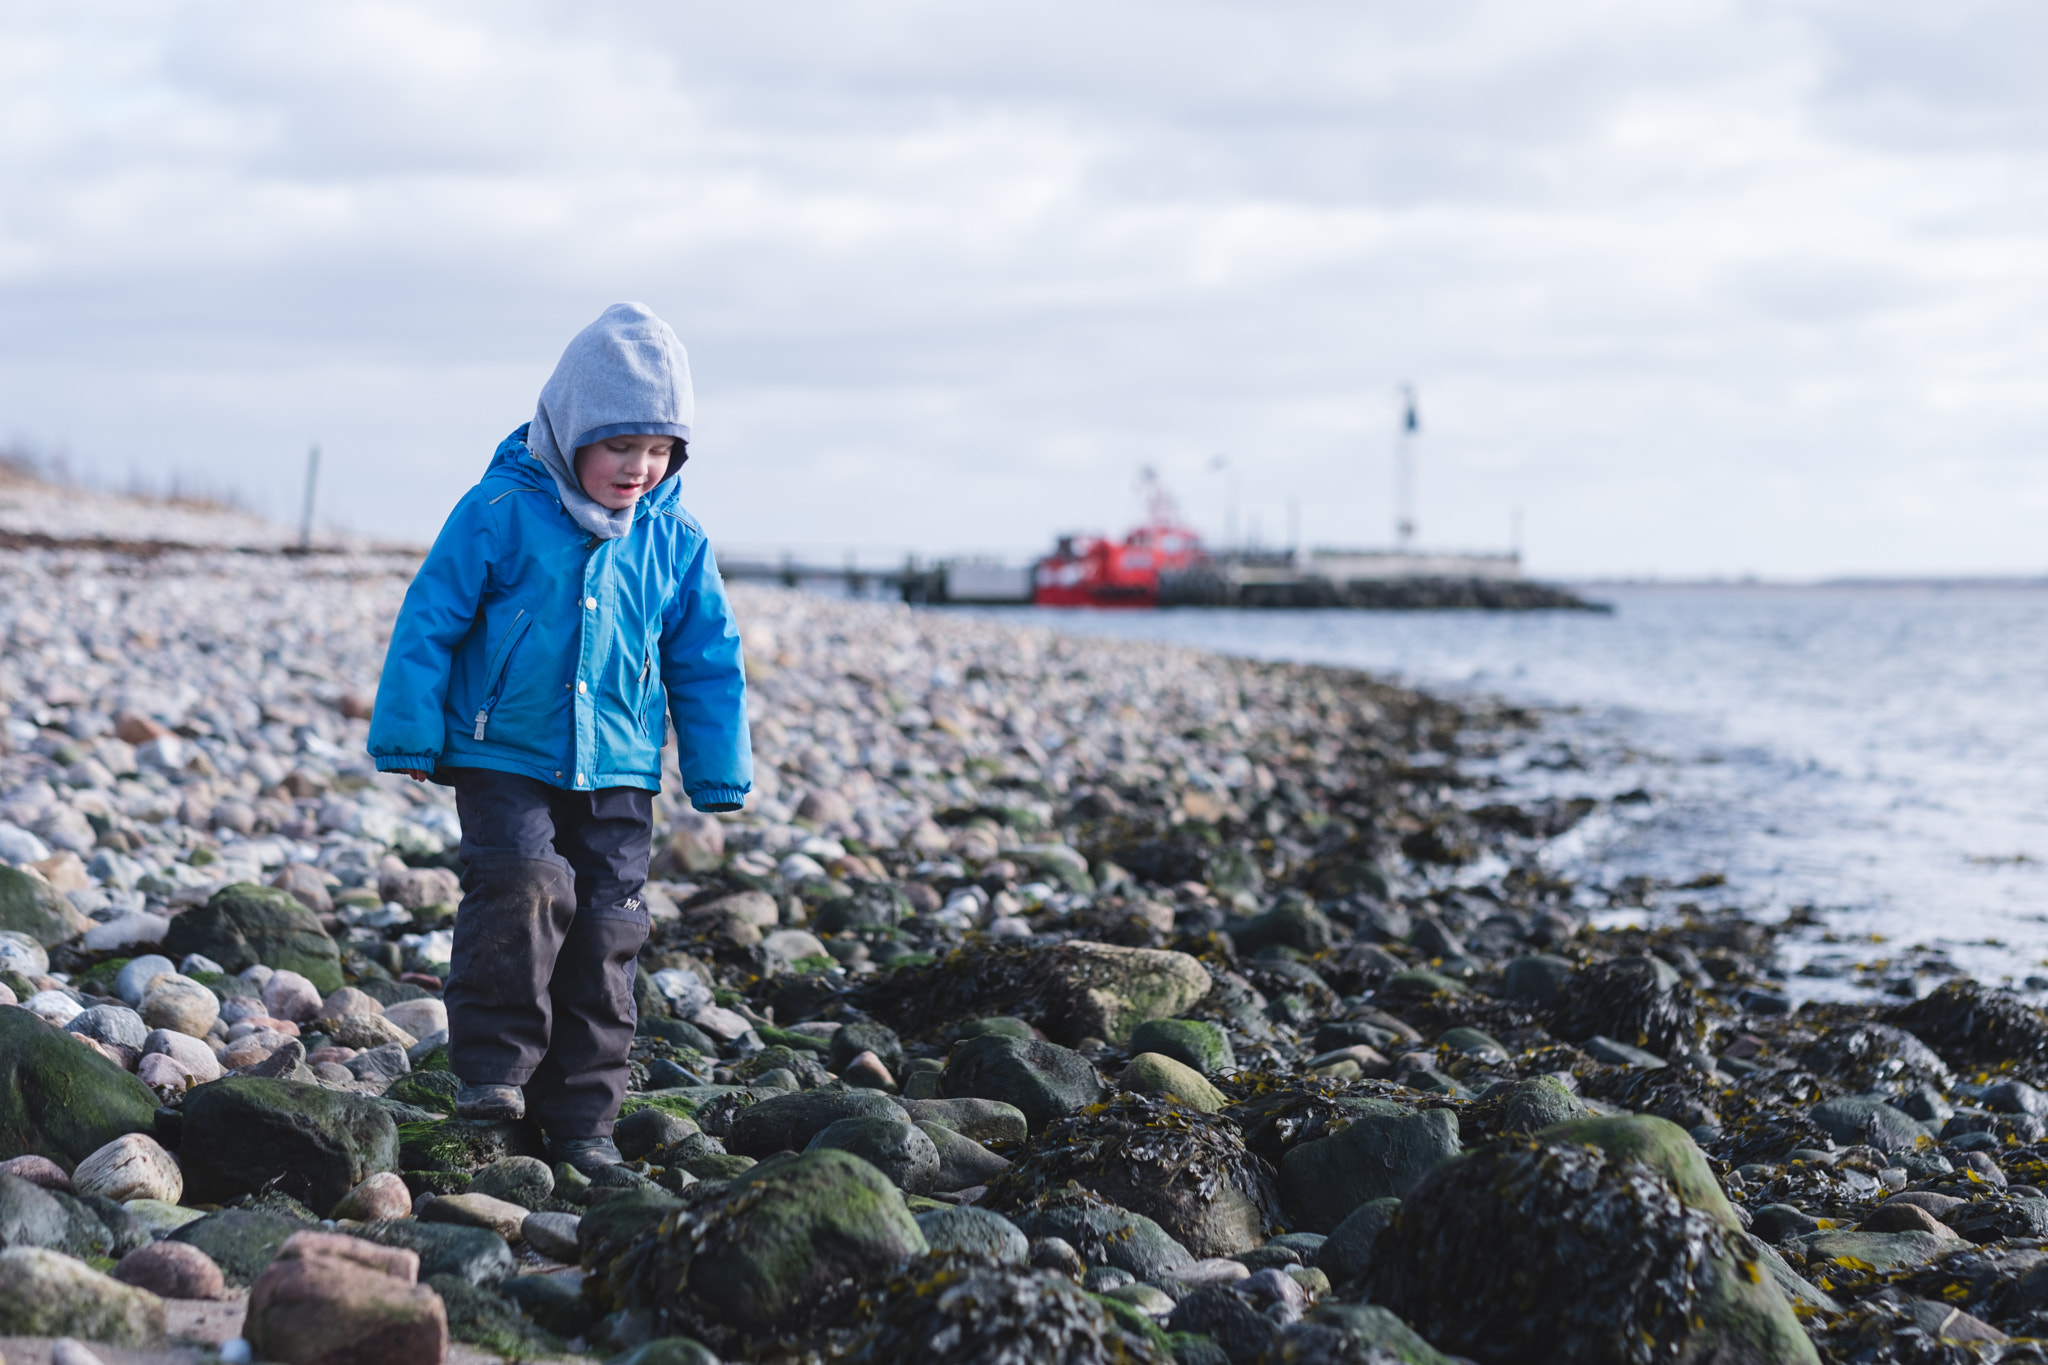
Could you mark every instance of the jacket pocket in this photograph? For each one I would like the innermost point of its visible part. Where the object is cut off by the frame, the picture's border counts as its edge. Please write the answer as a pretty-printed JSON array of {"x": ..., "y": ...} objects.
[
  {"x": 494, "y": 678},
  {"x": 648, "y": 681}
]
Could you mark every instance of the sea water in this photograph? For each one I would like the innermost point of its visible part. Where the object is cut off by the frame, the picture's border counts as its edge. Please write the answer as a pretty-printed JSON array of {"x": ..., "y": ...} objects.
[{"x": 1874, "y": 758}]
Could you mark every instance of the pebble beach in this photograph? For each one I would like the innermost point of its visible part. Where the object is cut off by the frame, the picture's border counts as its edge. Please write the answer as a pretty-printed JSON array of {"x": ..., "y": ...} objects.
[{"x": 1053, "y": 999}]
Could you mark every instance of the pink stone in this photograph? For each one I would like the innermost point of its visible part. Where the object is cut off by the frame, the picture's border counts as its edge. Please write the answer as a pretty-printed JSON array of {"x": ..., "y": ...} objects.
[
  {"x": 37, "y": 1170},
  {"x": 172, "y": 1270}
]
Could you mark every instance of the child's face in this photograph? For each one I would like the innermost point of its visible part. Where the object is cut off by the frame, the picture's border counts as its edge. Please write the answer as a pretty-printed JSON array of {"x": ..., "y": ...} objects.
[{"x": 617, "y": 470}]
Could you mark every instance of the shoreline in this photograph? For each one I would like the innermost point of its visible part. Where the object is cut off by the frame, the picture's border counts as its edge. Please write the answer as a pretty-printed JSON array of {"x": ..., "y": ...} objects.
[{"x": 1180, "y": 914}]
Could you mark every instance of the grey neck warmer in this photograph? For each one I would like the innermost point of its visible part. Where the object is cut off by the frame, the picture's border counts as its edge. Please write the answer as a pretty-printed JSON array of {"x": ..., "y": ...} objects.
[{"x": 624, "y": 375}]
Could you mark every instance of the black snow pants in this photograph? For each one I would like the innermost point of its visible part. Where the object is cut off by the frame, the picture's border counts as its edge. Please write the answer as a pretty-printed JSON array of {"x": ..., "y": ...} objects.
[{"x": 540, "y": 985}]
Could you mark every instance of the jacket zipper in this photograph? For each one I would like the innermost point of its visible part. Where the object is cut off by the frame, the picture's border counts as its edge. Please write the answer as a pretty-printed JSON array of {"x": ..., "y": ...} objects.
[{"x": 495, "y": 678}]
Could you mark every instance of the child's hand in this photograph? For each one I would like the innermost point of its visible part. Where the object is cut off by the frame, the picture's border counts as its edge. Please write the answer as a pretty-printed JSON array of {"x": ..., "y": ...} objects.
[{"x": 414, "y": 773}]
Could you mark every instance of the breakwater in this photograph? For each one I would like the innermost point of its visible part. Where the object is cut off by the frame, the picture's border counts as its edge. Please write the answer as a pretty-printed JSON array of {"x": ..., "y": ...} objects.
[{"x": 1084, "y": 1000}]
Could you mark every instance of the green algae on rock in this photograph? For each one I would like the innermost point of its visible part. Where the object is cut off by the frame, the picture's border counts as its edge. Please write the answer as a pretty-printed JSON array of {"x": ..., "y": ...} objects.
[
  {"x": 244, "y": 925},
  {"x": 29, "y": 905},
  {"x": 754, "y": 1252},
  {"x": 48, "y": 1294},
  {"x": 60, "y": 1099},
  {"x": 246, "y": 1134}
]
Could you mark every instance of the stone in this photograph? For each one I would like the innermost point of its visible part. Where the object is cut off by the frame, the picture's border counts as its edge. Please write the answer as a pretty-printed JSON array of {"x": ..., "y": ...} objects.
[
  {"x": 1149, "y": 1073},
  {"x": 1610, "y": 1053},
  {"x": 244, "y": 1134},
  {"x": 786, "y": 947},
  {"x": 114, "y": 1024},
  {"x": 647, "y": 1130},
  {"x": 1294, "y": 924},
  {"x": 1853, "y": 1119},
  {"x": 1555, "y": 1250},
  {"x": 982, "y": 1120},
  {"x": 383, "y": 1195},
  {"x": 159, "y": 1219},
  {"x": 180, "y": 1004},
  {"x": 1891, "y": 1217},
  {"x": 474, "y": 1254},
  {"x": 380, "y": 1065},
  {"x": 244, "y": 924},
  {"x": 1881, "y": 1251},
  {"x": 476, "y": 1211},
  {"x": 32, "y": 907},
  {"x": 1226, "y": 1319},
  {"x": 1105, "y": 1234},
  {"x": 668, "y": 1351},
  {"x": 1636, "y": 1001},
  {"x": 1662, "y": 1146},
  {"x": 523, "y": 1180},
  {"x": 191, "y": 1054},
  {"x": 756, "y": 908},
  {"x": 48, "y": 1294},
  {"x": 890, "y": 1143},
  {"x": 95, "y": 1101},
  {"x": 366, "y": 1031},
  {"x": 850, "y": 1040},
  {"x": 53, "y": 1007},
  {"x": 308, "y": 885},
  {"x": 1355, "y": 1332},
  {"x": 172, "y": 1270},
  {"x": 551, "y": 1234},
  {"x": 21, "y": 953},
  {"x": 240, "y": 1241},
  {"x": 2015, "y": 1097},
  {"x": 806, "y": 1224},
  {"x": 789, "y": 1122},
  {"x": 1347, "y": 1254},
  {"x": 37, "y": 1170},
  {"x": 978, "y": 1232},
  {"x": 32, "y": 1216},
  {"x": 1108, "y": 991},
  {"x": 1044, "y": 1080},
  {"x": 963, "y": 1162},
  {"x": 334, "y": 1300},
  {"x": 1538, "y": 979},
  {"x": 347, "y": 1001},
  {"x": 125, "y": 931},
  {"x": 696, "y": 843},
  {"x": 1386, "y": 1150},
  {"x": 132, "y": 1166},
  {"x": 288, "y": 995},
  {"x": 1535, "y": 1104},
  {"x": 420, "y": 1018},
  {"x": 131, "y": 983},
  {"x": 1192, "y": 1042}
]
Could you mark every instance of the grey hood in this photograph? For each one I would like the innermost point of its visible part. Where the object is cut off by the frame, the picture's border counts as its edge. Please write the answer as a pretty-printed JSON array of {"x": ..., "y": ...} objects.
[{"x": 624, "y": 375}]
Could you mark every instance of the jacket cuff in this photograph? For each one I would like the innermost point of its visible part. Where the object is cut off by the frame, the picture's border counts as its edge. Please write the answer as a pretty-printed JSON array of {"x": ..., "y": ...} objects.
[
  {"x": 712, "y": 800},
  {"x": 418, "y": 763}
]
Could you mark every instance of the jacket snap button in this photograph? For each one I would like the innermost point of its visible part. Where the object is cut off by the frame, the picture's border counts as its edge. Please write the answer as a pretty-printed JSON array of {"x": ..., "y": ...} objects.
[
  {"x": 590, "y": 603},
  {"x": 582, "y": 686}
]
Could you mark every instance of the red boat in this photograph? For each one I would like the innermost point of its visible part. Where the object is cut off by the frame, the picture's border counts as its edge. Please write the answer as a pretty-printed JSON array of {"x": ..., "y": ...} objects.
[{"x": 1094, "y": 571}]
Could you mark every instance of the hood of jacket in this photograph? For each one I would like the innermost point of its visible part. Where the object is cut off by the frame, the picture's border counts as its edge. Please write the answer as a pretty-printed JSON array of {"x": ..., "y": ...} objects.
[{"x": 624, "y": 375}]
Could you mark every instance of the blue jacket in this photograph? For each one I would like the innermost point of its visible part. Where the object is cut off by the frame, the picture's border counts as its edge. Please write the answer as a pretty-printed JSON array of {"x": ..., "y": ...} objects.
[{"x": 529, "y": 645}]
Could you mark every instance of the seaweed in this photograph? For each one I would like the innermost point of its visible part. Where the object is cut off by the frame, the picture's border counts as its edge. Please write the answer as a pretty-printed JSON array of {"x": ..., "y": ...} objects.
[
  {"x": 952, "y": 1310},
  {"x": 1972, "y": 1025}
]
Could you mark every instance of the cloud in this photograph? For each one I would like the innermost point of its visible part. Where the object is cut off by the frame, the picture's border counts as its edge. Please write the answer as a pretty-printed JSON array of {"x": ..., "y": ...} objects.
[{"x": 1701, "y": 286}]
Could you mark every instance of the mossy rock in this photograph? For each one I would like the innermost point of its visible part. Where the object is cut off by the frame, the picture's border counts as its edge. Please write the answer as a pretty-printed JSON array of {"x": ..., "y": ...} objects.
[
  {"x": 60, "y": 1100},
  {"x": 1191, "y": 1042},
  {"x": 465, "y": 1145},
  {"x": 482, "y": 1319},
  {"x": 756, "y": 1254},
  {"x": 247, "y": 1134},
  {"x": 1661, "y": 1145},
  {"x": 240, "y": 1241},
  {"x": 29, "y": 905},
  {"x": 244, "y": 924},
  {"x": 433, "y": 1090}
]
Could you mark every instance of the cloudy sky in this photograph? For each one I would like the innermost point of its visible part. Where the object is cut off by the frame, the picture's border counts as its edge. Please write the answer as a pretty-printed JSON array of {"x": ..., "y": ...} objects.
[{"x": 1705, "y": 286}]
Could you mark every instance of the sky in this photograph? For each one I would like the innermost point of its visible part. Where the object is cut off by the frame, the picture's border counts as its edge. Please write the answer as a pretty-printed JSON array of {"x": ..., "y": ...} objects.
[{"x": 1701, "y": 287}]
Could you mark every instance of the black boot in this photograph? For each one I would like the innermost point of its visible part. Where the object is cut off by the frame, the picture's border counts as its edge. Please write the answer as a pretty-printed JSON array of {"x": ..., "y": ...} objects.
[
  {"x": 588, "y": 1155},
  {"x": 489, "y": 1102}
]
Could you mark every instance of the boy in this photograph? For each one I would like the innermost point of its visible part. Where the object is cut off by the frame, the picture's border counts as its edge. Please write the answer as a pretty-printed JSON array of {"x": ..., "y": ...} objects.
[{"x": 567, "y": 605}]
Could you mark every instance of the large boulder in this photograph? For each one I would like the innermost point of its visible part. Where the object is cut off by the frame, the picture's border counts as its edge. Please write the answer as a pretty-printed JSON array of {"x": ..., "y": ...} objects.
[
  {"x": 1191, "y": 1042},
  {"x": 1385, "y": 1150},
  {"x": 1573, "y": 1246},
  {"x": 1044, "y": 1080},
  {"x": 48, "y": 1294},
  {"x": 244, "y": 1134},
  {"x": 757, "y": 1253},
  {"x": 1868, "y": 1119},
  {"x": 60, "y": 1098},
  {"x": 1108, "y": 991},
  {"x": 240, "y": 1241},
  {"x": 245, "y": 924},
  {"x": 29, "y": 905},
  {"x": 889, "y": 1143}
]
